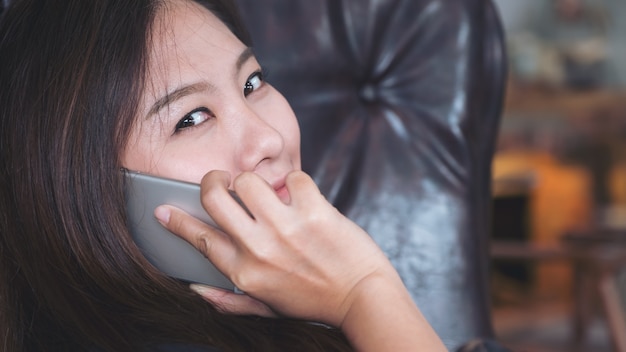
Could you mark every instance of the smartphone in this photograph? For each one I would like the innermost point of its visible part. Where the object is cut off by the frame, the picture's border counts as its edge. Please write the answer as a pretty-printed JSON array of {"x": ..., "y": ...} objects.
[{"x": 169, "y": 253}]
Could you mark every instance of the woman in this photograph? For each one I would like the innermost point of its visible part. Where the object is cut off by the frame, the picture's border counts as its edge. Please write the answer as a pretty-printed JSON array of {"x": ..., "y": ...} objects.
[{"x": 170, "y": 88}]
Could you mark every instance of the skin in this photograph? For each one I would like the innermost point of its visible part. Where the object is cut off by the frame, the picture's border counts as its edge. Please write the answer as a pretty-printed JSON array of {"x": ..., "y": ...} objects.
[
  {"x": 203, "y": 69},
  {"x": 298, "y": 256}
]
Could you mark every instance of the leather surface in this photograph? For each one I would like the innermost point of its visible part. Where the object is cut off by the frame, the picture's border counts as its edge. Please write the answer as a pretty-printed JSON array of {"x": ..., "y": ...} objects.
[{"x": 399, "y": 103}]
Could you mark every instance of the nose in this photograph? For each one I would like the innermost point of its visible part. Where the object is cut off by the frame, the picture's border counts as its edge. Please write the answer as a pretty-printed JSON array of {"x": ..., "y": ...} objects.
[{"x": 258, "y": 141}]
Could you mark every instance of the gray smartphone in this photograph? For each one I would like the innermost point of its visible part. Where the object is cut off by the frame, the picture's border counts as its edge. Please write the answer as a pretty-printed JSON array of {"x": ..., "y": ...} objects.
[{"x": 166, "y": 251}]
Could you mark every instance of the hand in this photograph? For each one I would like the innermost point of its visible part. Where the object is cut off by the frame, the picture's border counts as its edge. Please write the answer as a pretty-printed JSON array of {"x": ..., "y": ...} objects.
[{"x": 303, "y": 259}]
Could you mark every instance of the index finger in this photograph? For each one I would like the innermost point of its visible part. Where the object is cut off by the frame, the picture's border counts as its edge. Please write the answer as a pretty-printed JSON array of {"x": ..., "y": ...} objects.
[
  {"x": 211, "y": 242},
  {"x": 228, "y": 212}
]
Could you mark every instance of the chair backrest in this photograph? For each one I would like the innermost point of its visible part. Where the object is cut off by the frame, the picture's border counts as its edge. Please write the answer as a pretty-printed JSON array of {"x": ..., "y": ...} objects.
[{"x": 399, "y": 104}]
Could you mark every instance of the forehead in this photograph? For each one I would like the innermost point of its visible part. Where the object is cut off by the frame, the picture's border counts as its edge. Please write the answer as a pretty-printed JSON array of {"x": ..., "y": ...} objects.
[
  {"x": 178, "y": 18},
  {"x": 188, "y": 37}
]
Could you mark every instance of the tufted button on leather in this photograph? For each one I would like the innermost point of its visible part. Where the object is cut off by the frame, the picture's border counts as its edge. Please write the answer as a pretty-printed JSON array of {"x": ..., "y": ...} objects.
[{"x": 368, "y": 93}]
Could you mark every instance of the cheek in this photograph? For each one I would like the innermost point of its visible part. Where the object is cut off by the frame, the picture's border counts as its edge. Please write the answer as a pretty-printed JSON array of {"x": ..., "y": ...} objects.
[
  {"x": 184, "y": 169},
  {"x": 135, "y": 156},
  {"x": 290, "y": 130},
  {"x": 293, "y": 143},
  {"x": 186, "y": 161},
  {"x": 151, "y": 150},
  {"x": 141, "y": 147}
]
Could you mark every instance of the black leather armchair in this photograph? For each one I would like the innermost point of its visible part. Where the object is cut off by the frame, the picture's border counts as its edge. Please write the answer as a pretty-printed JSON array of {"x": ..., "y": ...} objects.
[{"x": 399, "y": 103}]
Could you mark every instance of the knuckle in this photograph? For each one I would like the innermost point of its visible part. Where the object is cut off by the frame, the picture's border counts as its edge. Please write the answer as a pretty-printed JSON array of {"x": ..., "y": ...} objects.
[
  {"x": 312, "y": 218},
  {"x": 299, "y": 178},
  {"x": 246, "y": 280},
  {"x": 175, "y": 222},
  {"x": 265, "y": 254},
  {"x": 210, "y": 198},
  {"x": 296, "y": 175},
  {"x": 203, "y": 243},
  {"x": 244, "y": 179}
]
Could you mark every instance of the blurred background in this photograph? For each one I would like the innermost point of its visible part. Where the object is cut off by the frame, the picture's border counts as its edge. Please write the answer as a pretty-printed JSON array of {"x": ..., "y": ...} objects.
[{"x": 559, "y": 225}]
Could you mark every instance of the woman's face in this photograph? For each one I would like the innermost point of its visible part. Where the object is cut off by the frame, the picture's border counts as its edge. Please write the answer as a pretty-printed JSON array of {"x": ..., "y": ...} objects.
[{"x": 206, "y": 106}]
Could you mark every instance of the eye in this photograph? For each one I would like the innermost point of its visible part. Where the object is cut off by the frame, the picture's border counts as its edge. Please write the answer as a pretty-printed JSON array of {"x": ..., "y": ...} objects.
[
  {"x": 254, "y": 82},
  {"x": 194, "y": 118}
]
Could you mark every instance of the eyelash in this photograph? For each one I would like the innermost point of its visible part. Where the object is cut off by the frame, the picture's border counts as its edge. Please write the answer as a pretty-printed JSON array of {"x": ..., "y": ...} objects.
[
  {"x": 260, "y": 75},
  {"x": 186, "y": 122}
]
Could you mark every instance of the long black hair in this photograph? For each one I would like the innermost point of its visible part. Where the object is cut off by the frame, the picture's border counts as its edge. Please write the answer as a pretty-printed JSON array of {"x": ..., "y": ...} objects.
[{"x": 71, "y": 76}]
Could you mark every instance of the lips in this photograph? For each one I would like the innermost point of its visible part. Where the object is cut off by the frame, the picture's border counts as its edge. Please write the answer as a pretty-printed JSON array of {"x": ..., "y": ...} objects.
[{"x": 281, "y": 190}]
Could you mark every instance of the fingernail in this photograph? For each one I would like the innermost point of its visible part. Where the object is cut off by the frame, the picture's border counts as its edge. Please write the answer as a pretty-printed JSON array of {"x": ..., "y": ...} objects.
[
  {"x": 199, "y": 289},
  {"x": 162, "y": 213}
]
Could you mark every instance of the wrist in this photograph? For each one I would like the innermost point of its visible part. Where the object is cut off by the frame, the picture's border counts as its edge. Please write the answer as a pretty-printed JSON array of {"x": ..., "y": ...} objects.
[{"x": 383, "y": 317}]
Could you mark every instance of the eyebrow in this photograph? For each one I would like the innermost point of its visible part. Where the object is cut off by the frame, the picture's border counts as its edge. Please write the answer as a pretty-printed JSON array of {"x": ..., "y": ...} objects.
[
  {"x": 184, "y": 91},
  {"x": 245, "y": 55}
]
